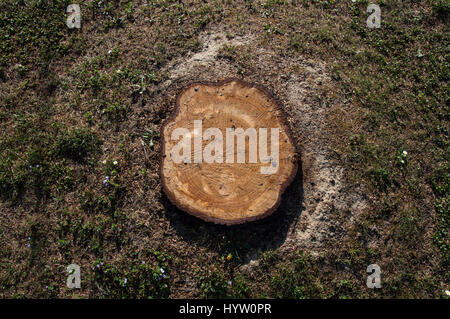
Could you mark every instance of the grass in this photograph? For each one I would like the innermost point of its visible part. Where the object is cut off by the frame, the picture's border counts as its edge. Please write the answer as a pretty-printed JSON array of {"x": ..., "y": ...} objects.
[
  {"x": 72, "y": 102},
  {"x": 297, "y": 279},
  {"x": 77, "y": 145},
  {"x": 134, "y": 278}
]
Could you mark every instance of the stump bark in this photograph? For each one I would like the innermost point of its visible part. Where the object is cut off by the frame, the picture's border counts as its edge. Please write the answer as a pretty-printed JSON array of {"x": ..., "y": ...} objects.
[{"x": 227, "y": 192}]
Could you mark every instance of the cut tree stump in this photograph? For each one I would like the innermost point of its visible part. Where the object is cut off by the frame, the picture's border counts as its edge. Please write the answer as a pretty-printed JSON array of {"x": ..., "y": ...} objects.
[{"x": 231, "y": 189}]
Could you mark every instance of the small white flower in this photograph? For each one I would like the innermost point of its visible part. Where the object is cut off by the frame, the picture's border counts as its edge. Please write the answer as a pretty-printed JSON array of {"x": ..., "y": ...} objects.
[
  {"x": 104, "y": 162},
  {"x": 405, "y": 153},
  {"x": 115, "y": 162},
  {"x": 447, "y": 292},
  {"x": 109, "y": 52}
]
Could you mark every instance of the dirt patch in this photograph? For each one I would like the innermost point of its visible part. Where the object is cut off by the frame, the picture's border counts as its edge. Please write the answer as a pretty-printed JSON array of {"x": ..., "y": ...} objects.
[
  {"x": 324, "y": 187},
  {"x": 211, "y": 42}
]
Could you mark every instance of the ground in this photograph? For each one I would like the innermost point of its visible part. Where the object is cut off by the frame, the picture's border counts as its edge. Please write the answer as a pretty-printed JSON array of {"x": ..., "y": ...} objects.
[{"x": 368, "y": 109}]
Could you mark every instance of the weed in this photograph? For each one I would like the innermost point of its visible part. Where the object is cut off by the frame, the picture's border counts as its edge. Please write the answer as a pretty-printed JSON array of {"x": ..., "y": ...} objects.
[
  {"x": 77, "y": 144},
  {"x": 296, "y": 280},
  {"x": 138, "y": 277}
]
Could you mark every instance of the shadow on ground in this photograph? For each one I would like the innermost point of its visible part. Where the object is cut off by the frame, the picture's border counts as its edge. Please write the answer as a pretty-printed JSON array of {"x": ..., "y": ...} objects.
[{"x": 245, "y": 241}]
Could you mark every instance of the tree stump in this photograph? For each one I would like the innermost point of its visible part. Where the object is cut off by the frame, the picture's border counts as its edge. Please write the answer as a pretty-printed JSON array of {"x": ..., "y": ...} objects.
[{"x": 212, "y": 164}]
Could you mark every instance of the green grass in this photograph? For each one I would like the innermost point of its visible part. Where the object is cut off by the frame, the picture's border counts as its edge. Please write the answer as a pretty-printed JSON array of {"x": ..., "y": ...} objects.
[
  {"x": 297, "y": 279},
  {"x": 214, "y": 283},
  {"x": 144, "y": 277},
  {"x": 77, "y": 145}
]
